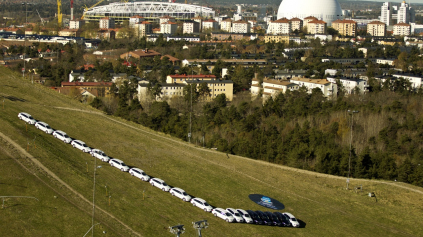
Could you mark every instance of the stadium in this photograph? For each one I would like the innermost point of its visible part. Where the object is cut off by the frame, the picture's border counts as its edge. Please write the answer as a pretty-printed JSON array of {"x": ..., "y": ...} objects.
[{"x": 151, "y": 11}]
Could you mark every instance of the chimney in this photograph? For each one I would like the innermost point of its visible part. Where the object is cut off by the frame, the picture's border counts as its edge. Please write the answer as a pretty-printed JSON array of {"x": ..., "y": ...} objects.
[{"x": 71, "y": 10}]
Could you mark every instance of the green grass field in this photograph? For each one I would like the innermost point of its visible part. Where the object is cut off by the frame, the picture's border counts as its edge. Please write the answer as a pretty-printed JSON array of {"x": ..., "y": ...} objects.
[{"x": 320, "y": 201}]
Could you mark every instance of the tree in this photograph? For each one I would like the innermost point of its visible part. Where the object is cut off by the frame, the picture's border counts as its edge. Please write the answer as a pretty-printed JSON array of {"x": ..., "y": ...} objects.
[{"x": 203, "y": 90}]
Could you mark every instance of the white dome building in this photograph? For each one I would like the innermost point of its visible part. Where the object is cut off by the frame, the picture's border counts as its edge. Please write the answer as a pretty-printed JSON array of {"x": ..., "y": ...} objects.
[{"x": 326, "y": 10}]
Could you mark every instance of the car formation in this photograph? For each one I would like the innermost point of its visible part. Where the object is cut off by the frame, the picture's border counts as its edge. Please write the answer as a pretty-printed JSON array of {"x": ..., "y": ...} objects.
[{"x": 229, "y": 214}]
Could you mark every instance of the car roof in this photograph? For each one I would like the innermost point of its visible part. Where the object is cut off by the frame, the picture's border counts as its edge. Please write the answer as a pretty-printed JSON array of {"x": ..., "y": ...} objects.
[
  {"x": 118, "y": 160},
  {"x": 179, "y": 189},
  {"x": 97, "y": 150},
  {"x": 200, "y": 199},
  {"x": 242, "y": 211},
  {"x": 289, "y": 214},
  {"x": 137, "y": 169},
  {"x": 79, "y": 141},
  {"x": 219, "y": 209},
  {"x": 25, "y": 114},
  {"x": 41, "y": 122},
  {"x": 232, "y": 209},
  {"x": 161, "y": 180},
  {"x": 59, "y": 131}
]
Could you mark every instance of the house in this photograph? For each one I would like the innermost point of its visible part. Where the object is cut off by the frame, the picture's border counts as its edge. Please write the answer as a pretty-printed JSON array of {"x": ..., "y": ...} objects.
[
  {"x": 350, "y": 84},
  {"x": 103, "y": 88},
  {"x": 138, "y": 53},
  {"x": 328, "y": 88},
  {"x": 272, "y": 88}
]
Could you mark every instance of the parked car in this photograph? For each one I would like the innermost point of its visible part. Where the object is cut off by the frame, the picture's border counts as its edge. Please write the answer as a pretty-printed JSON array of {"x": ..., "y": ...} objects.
[
  {"x": 139, "y": 174},
  {"x": 247, "y": 218},
  {"x": 282, "y": 218},
  {"x": 62, "y": 136},
  {"x": 201, "y": 203},
  {"x": 256, "y": 219},
  {"x": 235, "y": 214},
  {"x": 44, "y": 127},
  {"x": 292, "y": 220},
  {"x": 264, "y": 218},
  {"x": 180, "y": 193},
  {"x": 100, "y": 155},
  {"x": 27, "y": 118},
  {"x": 118, "y": 164},
  {"x": 273, "y": 218},
  {"x": 222, "y": 213},
  {"x": 81, "y": 145},
  {"x": 156, "y": 182}
]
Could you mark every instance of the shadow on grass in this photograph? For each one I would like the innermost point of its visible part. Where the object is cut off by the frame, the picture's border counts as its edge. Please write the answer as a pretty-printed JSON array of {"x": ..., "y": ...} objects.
[
  {"x": 13, "y": 98},
  {"x": 302, "y": 223},
  {"x": 21, "y": 186}
]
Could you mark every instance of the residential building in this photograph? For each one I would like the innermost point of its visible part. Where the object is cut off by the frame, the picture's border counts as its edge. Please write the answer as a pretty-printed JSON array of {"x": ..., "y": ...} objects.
[
  {"x": 277, "y": 38},
  {"x": 231, "y": 36},
  {"x": 328, "y": 88},
  {"x": 166, "y": 19},
  {"x": 210, "y": 24},
  {"x": 386, "y": 13},
  {"x": 271, "y": 88},
  {"x": 105, "y": 34},
  {"x": 226, "y": 25},
  {"x": 143, "y": 28},
  {"x": 247, "y": 63},
  {"x": 345, "y": 27},
  {"x": 103, "y": 88},
  {"x": 168, "y": 28},
  {"x": 307, "y": 20},
  {"x": 140, "y": 54},
  {"x": 316, "y": 27},
  {"x": 216, "y": 86},
  {"x": 70, "y": 32},
  {"x": 415, "y": 80},
  {"x": 76, "y": 24},
  {"x": 183, "y": 38},
  {"x": 133, "y": 20},
  {"x": 376, "y": 28},
  {"x": 351, "y": 84},
  {"x": 296, "y": 24},
  {"x": 191, "y": 27},
  {"x": 279, "y": 27},
  {"x": 198, "y": 19},
  {"x": 403, "y": 29},
  {"x": 383, "y": 61},
  {"x": 107, "y": 23},
  {"x": 240, "y": 27}
]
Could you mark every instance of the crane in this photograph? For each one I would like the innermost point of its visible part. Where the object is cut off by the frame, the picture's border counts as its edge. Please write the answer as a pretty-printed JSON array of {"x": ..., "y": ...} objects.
[
  {"x": 89, "y": 8},
  {"x": 59, "y": 12}
]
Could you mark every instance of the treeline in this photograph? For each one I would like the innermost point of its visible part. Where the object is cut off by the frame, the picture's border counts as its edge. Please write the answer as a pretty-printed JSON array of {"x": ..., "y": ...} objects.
[{"x": 298, "y": 129}]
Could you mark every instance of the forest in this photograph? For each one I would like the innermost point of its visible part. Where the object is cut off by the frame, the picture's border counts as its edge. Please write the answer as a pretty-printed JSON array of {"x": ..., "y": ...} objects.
[{"x": 298, "y": 129}]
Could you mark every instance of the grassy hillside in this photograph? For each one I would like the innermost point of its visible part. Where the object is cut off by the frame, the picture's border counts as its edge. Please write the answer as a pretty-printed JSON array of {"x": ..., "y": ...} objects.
[{"x": 318, "y": 200}]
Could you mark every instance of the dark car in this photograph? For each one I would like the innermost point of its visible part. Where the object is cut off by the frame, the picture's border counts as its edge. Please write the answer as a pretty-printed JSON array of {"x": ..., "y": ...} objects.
[
  {"x": 282, "y": 218},
  {"x": 273, "y": 218},
  {"x": 257, "y": 220},
  {"x": 264, "y": 218}
]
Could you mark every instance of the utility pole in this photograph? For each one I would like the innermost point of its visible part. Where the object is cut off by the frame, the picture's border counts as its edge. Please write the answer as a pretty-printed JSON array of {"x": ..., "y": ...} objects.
[
  {"x": 199, "y": 225},
  {"x": 351, "y": 112}
]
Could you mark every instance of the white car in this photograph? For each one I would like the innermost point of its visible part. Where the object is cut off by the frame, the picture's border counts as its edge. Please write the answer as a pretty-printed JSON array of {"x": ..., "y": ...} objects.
[
  {"x": 245, "y": 215},
  {"x": 80, "y": 145},
  {"x": 292, "y": 220},
  {"x": 139, "y": 174},
  {"x": 180, "y": 193},
  {"x": 62, "y": 136},
  {"x": 235, "y": 214},
  {"x": 222, "y": 213},
  {"x": 27, "y": 118},
  {"x": 44, "y": 127},
  {"x": 156, "y": 182},
  {"x": 100, "y": 155},
  {"x": 201, "y": 203},
  {"x": 119, "y": 164}
]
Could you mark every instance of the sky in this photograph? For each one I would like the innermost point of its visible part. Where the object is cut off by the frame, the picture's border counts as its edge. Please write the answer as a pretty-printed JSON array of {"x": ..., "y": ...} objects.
[{"x": 397, "y": 1}]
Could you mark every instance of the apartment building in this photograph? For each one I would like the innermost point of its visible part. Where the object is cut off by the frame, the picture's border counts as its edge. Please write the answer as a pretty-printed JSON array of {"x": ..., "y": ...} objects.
[
  {"x": 279, "y": 27},
  {"x": 376, "y": 28},
  {"x": 242, "y": 27},
  {"x": 328, "y": 88},
  {"x": 168, "y": 28},
  {"x": 402, "y": 29},
  {"x": 316, "y": 27},
  {"x": 345, "y": 27},
  {"x": 191, "y": 27},
  {"x": 296, "y": 24}
]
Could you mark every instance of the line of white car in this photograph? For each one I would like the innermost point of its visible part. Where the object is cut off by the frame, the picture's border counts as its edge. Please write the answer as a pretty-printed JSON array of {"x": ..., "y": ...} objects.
[{"x": 229, "y": 214}]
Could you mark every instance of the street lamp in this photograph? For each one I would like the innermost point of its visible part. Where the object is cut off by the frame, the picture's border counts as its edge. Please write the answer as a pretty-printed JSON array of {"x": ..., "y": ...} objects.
[
  {"x": 199, "y": 225},
  {"x": 351, "y": 112}
]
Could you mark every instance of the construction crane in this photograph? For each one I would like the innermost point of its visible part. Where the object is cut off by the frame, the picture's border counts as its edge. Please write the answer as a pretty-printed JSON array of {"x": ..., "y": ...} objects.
[
  {"x": 59, "y": 12},
  {"x": 89, "y": 8},
  {"x": 42, "y": 21}
]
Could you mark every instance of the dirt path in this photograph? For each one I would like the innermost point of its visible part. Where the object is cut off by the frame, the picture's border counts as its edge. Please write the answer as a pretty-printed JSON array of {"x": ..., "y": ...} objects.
[
  {"x": 23, "y": 153},
  {"x": 161, "y": 138}
]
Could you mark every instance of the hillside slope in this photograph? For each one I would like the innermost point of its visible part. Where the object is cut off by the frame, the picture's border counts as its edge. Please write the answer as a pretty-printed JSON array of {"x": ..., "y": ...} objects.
[{"x": 319, "y": 201}]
